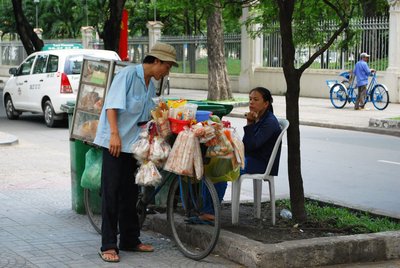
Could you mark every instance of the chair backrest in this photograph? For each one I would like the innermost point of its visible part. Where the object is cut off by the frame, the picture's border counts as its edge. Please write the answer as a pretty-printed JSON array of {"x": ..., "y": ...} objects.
[{"x": 284, "y": 126}]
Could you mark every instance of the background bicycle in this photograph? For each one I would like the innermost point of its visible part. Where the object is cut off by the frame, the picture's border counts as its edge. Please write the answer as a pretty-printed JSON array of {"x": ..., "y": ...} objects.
[{"x": 346, "y": 91}]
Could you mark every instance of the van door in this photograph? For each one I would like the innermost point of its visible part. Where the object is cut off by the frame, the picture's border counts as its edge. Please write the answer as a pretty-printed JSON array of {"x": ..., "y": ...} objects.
[
  {"x": 20, "y": 89},
  {"x": 39, "y": 85}
]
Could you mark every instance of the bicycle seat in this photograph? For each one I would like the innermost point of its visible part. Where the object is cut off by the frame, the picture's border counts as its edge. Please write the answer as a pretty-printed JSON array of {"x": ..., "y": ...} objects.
[{"x": 345, "y": 74}]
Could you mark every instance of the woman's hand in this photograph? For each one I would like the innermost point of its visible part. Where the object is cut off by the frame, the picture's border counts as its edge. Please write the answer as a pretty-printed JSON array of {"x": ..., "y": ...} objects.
[{"x": 251, "y": 117}]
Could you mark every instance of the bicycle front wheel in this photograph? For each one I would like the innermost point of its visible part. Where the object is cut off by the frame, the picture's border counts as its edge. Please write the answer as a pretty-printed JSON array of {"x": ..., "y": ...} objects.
[
  {"x": 380, "y": 97},
  {"x": 338, "y": 96},
  {"x": 92, "y": 201},
  {"x": 186, "y": 200}
]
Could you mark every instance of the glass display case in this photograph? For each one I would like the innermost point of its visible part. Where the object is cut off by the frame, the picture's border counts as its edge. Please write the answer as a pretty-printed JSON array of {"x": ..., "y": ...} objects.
[{"x": 96, "y": 77}]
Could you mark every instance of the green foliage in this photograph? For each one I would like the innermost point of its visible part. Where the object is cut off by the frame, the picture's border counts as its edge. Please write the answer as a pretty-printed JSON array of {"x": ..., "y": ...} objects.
[{"x": 346, "y": 219}]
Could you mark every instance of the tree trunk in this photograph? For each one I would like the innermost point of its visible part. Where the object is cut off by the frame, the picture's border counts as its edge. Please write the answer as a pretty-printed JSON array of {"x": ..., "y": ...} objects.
[
  {"x": 218, "y": 82},
  {"x": 29, "y": 38},
  {"x": 112, "y": 27},
  {"x": 292, "y": 77}
]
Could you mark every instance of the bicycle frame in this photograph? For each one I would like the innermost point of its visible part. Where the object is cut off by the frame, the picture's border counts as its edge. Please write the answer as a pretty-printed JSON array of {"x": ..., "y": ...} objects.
[{"x": 351, "y": 89}]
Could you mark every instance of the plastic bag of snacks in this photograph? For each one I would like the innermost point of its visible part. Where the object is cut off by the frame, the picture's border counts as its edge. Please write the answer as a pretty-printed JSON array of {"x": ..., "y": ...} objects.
[
  {"x": 141, "y": 147},
  {"x": 220, "y": 146},
  {"x": 204, "y": 132},
  {"x": 159, "y": 151},
  {"x": 160, "y": 117},
  {"x": 148, "y": 175},
  {"x": 180, "y": 160}
]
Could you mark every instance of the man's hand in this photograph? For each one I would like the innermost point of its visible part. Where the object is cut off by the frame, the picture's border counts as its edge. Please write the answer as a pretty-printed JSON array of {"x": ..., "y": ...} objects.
[{"x": 115, "y": 144}]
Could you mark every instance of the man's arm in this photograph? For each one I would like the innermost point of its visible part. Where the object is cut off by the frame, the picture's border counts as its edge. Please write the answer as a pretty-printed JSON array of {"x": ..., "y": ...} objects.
[{"x": 115, "y": 140}]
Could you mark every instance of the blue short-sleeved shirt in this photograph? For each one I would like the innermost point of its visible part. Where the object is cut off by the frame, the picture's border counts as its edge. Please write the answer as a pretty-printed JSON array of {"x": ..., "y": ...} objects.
[
  {"x": 362, "y": 71},
  {"x": 129, "y": 95}
]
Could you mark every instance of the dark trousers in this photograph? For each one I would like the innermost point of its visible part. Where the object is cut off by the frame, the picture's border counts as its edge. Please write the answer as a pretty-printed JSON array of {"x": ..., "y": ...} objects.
[
  {"x": 119, "y": 197},
  {"x": 362, "y": 95}
]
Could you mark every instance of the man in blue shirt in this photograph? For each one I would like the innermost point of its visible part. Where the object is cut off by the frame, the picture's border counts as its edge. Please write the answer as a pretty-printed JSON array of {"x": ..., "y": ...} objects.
[
  {"x": 362, "y": 71},
  {"x": 128, "y": 102}
]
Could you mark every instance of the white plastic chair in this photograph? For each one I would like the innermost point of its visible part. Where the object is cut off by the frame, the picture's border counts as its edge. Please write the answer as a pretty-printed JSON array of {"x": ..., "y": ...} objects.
[{"x": 257, "y": 182}]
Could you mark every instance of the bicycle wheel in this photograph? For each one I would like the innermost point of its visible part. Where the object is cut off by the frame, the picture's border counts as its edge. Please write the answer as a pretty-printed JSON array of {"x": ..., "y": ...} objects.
[
  {"x": 380, "y": 97},
  {"x": 92, "y": 201},
  {"x": 338, "y": 96},
  {"x": 186, "y": 199}
]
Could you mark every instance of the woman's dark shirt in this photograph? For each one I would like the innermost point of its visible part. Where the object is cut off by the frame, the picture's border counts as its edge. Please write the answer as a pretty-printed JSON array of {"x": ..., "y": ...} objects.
[{"x": 259, "y": 140}]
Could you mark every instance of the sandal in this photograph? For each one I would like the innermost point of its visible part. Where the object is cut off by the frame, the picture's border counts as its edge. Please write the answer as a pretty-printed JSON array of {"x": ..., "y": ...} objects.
[
  {"x": 139, "y": 248},
  {"x": 197, "y": 220},
  {"x": 109, "y": 255}
]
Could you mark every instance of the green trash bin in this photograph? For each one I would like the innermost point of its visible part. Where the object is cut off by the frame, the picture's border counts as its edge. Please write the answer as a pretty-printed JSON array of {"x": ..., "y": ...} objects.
[
  {"x": 218, "y": 109},
  {"x": 78, "y": 151}
]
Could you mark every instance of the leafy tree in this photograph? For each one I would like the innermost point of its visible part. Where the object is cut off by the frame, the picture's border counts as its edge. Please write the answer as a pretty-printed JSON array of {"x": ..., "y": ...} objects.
[
  {"x": 112, "y": 26},
  {"x": 300, "y": 22},
  {"x": 29, "y": 38}
]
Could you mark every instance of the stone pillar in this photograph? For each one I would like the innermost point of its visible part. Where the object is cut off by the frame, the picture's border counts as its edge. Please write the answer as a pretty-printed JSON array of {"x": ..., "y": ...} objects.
[
  {"x": 1, "y": 48},
  {"x": 154, "y": 32},
  {"x": 394, "y": 35},
  {"x": 393, "y": 71},
  {"x": 251, "y": 55},
  {"x": 87, "y": 36},
  {"x": 38, "y": 32}
]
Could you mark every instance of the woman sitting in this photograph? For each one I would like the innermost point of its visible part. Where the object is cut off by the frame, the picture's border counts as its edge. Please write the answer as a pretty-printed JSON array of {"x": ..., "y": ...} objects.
[{"x": 260, "y": 134}]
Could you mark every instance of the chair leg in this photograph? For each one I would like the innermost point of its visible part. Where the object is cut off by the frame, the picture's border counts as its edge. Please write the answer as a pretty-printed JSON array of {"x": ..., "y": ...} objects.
[
  {"x": 235, "y": 200},
  {"x": 272, "y": 198},
  {"x": 257, "y": 187}
]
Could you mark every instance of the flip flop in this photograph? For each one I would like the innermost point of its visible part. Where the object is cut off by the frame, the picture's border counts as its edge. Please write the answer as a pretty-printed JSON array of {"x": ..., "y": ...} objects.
[
  {"x": 103, "y": 255},
  {"x": 197, "y": 220}
]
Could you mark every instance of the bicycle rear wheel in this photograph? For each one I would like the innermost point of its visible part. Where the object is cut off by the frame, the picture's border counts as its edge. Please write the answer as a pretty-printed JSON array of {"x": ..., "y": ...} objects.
[
  {"x": 338, "y": 96},
  {"x": 92, "y": 201},
  {"x": 186, "y": 199},
  {"x": 380, "y": 97}
]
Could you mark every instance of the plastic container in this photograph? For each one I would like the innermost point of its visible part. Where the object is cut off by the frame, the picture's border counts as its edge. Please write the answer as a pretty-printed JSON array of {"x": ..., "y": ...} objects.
[
  {"x": 202, "y": 115},
  {"x": 178, "y": 125},
  {"x": 78, "y": 151}
]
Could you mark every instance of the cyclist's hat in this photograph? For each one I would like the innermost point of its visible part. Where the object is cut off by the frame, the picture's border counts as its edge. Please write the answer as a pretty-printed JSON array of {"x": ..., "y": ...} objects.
[
  {"x": 364, "y": 55},
  {"x": 164, "y": 52}
]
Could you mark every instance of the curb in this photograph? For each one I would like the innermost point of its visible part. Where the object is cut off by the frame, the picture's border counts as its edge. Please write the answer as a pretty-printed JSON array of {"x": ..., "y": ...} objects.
[
  {"x": 376, "y": 126},
  {"x": 7, "y": 139},
  {"x": 299, "y": 253}
]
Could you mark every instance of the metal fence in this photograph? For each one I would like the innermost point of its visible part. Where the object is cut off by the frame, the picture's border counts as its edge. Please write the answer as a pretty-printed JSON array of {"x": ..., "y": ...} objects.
[
  {"x": 13, "y": 52},
  {"x": 371, "y": 36}
]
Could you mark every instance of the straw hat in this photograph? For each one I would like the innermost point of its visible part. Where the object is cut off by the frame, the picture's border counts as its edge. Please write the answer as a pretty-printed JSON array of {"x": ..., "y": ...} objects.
[{"x": 163, "y": 52}]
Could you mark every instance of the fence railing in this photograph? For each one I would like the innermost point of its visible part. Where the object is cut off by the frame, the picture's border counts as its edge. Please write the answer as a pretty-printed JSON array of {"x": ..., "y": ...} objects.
[{"x": 371, "y": 35}]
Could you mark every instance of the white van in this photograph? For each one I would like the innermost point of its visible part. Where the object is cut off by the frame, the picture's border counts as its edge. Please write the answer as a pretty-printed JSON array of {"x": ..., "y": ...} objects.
[{"x": 45, "y": 80}]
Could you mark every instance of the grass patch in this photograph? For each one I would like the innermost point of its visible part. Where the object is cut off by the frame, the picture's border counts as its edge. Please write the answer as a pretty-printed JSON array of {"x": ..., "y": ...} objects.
[
  {"x": 395, "y": 118},
  {"x": 336, "y": 217},
  {"x": 233, "y": 66}
]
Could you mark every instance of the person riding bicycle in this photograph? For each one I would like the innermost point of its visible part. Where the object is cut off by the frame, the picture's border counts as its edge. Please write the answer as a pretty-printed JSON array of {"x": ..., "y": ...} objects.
[
  {"x": 361, "y": 72},
  {"x": 129, "y": 102}
]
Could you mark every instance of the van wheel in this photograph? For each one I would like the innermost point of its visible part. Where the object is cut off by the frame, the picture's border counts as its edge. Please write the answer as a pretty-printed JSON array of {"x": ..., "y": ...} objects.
[
  {"x": 49, "y": 114},
  {"x": 10, "y": 110}
]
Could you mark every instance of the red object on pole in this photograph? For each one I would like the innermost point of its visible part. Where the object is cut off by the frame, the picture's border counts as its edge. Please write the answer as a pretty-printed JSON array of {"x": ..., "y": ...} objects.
[{"x": 123, "y": 39}]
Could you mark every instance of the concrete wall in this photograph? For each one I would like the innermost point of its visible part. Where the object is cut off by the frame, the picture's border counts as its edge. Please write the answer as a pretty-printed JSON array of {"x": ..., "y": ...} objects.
[{"x": 312, "y": 83}]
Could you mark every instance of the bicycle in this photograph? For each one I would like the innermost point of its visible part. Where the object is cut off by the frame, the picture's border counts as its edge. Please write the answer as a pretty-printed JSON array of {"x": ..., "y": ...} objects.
[
  {"x": 345, "y": 91},
  {"x": 185, "y": 200}
]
